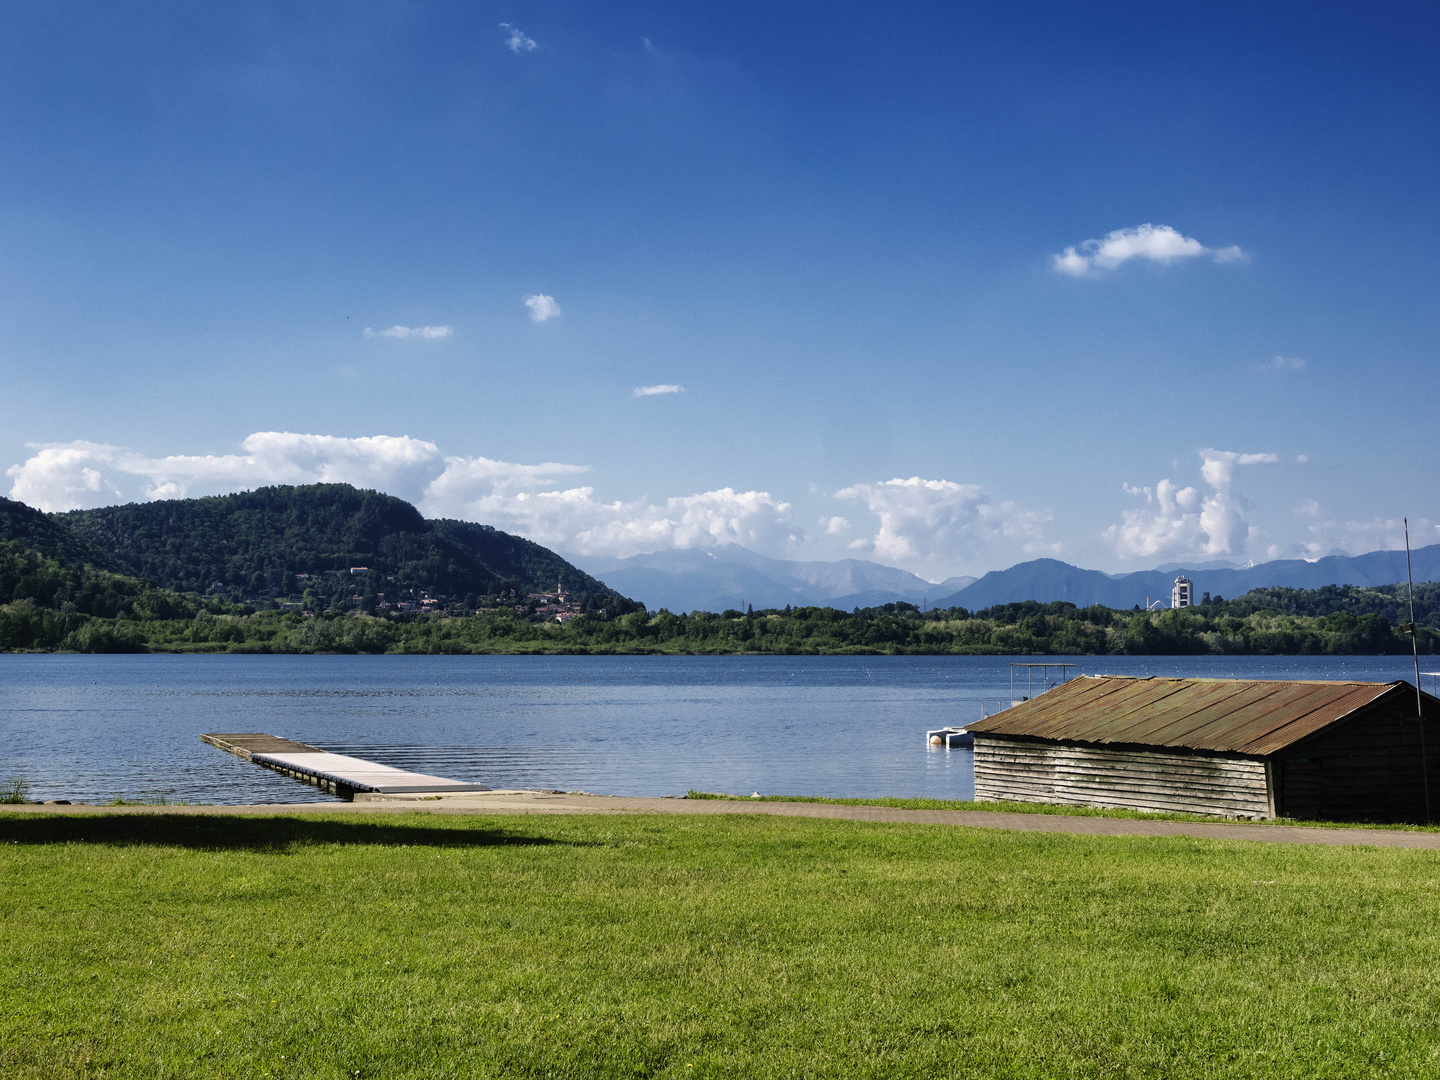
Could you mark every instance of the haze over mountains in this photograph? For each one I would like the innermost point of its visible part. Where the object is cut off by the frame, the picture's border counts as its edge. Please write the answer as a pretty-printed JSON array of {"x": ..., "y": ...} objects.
[{"x": 729, "y": 576}]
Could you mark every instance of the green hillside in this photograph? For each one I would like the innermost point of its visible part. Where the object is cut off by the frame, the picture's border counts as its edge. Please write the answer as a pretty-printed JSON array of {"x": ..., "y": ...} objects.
[
  {"x": 44, "y": 533},
  {"x": 283, "y": 541},
  {"x": 58, "y": 591}
]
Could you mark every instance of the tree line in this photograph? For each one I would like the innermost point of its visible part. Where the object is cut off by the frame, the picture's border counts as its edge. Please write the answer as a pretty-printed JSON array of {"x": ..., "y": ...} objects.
[{"x": 1343, "y": 621}]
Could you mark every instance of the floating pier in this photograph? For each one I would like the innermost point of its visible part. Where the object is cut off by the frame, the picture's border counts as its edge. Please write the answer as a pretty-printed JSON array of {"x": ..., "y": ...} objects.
[{"x": 338, "y": 774}]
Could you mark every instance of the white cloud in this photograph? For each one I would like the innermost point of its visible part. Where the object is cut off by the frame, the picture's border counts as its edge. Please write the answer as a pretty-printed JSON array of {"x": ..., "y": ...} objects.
[
  {"x": 1157, "y": 243},
  {"x": 926, "y": 524},
  {"x": 467, "y": 480},
  {"x": 1180, "y": 522},
  {"x": 575, "y": 520},
  {"x": 517, "y": 41},
  {"x": 527, "y": 499},
  {"x": 64, "y": 477},
  {"x": 428, "y": 333},
  {"x": 658, "y": 388},
  {"x": 542, "y": 307},
  {"x": 1288, "y": 363},
  {"x": 835, "y": 526},
  {"x": 81, "y": 474}
]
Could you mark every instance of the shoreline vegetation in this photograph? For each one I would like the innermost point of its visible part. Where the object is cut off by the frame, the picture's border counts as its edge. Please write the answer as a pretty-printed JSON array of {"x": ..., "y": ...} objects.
[{"x": 1336, "y": 620}]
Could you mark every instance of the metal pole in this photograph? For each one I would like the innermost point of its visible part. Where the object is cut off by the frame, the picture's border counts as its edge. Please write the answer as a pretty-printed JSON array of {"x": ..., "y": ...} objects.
[{"x": 1415, "y": 651}]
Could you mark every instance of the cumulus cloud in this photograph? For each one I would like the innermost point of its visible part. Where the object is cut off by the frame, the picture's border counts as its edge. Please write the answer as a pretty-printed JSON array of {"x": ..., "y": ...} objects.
[
  {"x": 573, "y": 519},
  {"x": 542, "y": 307},
  {"x": 1157, "y": 243},
  {"x": 930, "y": 523},
  {"x": 835, "y": 525},
  {"x": 532, "y": 500},
  {"x": 466, "y": 480},
  {"x": 658, "y": 388},
  {"x": 64, "y": 477},
  {"x": 1181, "y": 522},
  {"x": 516, "y": 40},
  {"x": 73, "y": 475},
  {"x": 428, "y": 333}
]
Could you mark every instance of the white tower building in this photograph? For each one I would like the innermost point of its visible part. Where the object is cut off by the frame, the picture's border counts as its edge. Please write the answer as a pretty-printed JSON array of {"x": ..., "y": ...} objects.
[{"x": 1183, "y": 594}]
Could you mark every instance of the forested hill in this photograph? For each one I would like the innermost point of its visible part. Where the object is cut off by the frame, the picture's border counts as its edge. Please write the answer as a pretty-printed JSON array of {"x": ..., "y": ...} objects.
[
  {"x": 287, "y": 540},
  {"x": 53, "y": 583},
  {"x": 25, "y": 527}
]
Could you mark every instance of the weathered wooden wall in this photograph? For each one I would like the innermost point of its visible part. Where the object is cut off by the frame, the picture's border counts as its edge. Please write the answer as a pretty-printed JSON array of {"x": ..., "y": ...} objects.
[
  {"x": 1035, "y": 770},
  {"x": 1366, "y": 768}
]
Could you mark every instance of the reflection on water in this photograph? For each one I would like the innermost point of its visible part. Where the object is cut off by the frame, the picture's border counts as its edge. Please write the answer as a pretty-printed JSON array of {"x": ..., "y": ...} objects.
[{"x": 93, "y": 728}]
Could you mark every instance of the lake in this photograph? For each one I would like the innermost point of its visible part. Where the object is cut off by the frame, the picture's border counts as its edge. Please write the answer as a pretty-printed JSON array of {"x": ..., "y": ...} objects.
[{"x": 94, "y": 728}]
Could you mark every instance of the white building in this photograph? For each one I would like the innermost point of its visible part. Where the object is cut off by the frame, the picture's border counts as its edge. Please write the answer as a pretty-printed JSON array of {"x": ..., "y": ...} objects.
[{"x": 1183, "y": 594}]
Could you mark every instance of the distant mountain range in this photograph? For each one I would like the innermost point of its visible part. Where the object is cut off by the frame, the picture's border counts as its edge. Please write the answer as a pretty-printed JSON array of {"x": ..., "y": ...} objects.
[
  {"x": 729, "y": 576},
  {"x": 1049, "y": 579}
]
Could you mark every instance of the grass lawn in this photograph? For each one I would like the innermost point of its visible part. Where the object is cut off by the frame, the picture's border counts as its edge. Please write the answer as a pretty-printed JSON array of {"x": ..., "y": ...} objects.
[
  {"x": 430, "y": 946},
  {"x": 1060, "y": 809}
]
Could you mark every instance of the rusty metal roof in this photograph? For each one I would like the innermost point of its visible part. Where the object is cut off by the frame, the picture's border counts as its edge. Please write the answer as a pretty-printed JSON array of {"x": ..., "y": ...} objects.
[{"x": 1229, "y": 715}]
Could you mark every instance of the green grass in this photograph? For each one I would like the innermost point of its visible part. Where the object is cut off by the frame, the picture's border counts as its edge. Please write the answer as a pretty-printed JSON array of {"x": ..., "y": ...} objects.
[
  {"x": 1053, "y": 808},
  {"x": 739, "y": 946},
  {"x": 14, "y": 791}
]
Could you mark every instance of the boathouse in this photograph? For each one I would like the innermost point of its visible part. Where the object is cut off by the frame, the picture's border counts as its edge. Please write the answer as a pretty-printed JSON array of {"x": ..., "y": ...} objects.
[{"x": 1238, "y": 748}]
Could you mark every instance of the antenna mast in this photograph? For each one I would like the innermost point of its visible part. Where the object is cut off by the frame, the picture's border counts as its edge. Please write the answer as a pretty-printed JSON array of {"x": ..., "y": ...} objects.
[{"x": 1415, "y": 651}]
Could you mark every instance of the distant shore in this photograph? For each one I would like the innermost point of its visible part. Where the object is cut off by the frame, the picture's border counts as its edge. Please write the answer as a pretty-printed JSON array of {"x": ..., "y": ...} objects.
[{"x": 1273, "y": 622}]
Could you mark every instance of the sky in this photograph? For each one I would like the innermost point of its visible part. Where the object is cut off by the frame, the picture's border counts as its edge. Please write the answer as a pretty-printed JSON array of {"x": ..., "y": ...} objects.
[{"x": 944, "y": 286}]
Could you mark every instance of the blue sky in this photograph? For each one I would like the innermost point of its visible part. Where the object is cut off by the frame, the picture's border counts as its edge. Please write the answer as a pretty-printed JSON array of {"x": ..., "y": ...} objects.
[{"x": 827, "y": 234}]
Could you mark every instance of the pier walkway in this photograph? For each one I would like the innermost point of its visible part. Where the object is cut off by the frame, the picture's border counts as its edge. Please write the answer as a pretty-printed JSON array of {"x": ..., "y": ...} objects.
[{"x": 338, "y": 774}]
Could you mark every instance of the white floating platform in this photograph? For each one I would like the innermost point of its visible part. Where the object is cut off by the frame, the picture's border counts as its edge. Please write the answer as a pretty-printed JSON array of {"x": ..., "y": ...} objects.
[
  {"x": 337, "y": 773},
  {"x": 948, "y": 737}
]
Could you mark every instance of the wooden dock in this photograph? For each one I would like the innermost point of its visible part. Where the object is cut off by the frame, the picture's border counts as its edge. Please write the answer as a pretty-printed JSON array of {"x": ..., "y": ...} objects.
[{"x": 338, "y": 774}]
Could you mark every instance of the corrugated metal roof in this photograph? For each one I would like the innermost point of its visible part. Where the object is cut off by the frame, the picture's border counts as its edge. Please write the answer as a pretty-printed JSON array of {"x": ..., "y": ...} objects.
[{"x": 1228, "y": 715}]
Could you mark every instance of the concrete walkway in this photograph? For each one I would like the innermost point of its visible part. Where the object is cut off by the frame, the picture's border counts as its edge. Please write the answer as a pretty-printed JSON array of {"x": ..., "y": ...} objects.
[{"x": 534, "y": 802}]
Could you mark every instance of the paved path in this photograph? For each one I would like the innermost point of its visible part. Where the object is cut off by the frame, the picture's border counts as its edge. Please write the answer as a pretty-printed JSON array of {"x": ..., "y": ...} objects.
[{"x": 532, "y": 802}]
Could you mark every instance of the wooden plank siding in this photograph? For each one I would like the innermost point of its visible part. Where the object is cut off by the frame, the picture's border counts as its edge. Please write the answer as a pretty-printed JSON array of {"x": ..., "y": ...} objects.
[
  {"x": 1102, "y": 775},
  {"x": 1363, "y": 769},
  {"x": 1366, "y": 768},
  {"x": 1348, "y": 751}
]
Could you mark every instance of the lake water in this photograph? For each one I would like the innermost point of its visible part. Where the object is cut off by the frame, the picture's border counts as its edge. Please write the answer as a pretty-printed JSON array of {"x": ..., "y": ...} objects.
[{"x": 94, "y": 728}]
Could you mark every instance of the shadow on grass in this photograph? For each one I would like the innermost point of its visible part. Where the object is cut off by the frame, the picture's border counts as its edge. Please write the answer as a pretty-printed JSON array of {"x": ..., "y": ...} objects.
[{"x": 268, "y": 834}]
